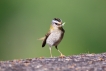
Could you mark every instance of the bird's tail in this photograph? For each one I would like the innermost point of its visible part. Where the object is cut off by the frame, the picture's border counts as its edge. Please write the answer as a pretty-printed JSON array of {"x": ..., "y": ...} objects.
[{"x": 42, "y": 38}]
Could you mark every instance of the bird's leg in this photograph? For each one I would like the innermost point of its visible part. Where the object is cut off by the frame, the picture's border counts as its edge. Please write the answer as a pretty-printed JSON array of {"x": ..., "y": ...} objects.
[
  {"x": 61, "y": 55},
  {"x": 50, "y": 52}
]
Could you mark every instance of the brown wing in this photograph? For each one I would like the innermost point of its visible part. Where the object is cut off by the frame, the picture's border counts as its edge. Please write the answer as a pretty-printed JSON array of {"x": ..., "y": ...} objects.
[
  {"x": 62, "y": 30},
  {"x": 44, "y": 41}
]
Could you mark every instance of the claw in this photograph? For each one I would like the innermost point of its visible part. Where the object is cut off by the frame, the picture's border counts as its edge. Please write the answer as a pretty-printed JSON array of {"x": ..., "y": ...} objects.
[
  {"x": 41, "y": 57},
  {"x": 62, "y": 56}
]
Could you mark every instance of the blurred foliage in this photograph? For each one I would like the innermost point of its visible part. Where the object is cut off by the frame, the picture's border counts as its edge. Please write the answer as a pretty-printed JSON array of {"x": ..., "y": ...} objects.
[{"x": 22, "y": 22}]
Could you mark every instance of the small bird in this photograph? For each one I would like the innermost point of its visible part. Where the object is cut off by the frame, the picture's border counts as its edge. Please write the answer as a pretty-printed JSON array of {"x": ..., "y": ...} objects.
[{"x": 54, "y": 36}]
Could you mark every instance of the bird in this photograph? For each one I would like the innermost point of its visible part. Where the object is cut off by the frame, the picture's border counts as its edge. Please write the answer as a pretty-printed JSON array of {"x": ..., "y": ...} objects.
[{"x": 54, "y": 35}]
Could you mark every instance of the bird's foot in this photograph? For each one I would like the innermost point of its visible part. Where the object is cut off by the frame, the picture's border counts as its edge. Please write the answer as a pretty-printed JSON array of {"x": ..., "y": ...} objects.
[
  {"x": 41, "y": 57},
  {"x": 62, "y": 56},
  {"x": 51, "y": 56}
]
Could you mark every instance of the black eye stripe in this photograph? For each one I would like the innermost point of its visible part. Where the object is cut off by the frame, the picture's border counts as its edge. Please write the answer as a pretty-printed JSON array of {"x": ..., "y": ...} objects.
[{"x": 57, "y": 24}]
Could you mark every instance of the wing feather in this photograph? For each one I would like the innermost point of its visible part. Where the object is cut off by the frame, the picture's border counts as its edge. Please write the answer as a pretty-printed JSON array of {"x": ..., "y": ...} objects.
[{"x": 44, "y": 41}]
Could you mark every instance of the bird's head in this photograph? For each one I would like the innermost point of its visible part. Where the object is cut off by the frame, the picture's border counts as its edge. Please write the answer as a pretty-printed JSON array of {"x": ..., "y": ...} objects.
[{"x": 56, "y": 23}]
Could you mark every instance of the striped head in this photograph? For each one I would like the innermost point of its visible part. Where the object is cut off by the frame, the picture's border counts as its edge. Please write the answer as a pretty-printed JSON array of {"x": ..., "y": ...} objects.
[{"x": 56, "y": 23}]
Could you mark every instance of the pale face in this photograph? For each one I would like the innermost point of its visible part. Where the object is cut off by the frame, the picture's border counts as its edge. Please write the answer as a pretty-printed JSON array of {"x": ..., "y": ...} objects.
[{"x": 56, "y": 24}]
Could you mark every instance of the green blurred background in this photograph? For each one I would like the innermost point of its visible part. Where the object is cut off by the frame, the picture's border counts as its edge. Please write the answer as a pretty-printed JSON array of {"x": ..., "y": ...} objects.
[{"x": 22, "y": 22}]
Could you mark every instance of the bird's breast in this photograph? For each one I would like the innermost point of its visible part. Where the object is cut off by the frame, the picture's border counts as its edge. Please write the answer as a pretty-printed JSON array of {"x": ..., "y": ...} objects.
[{"x": 54, "y": 38}]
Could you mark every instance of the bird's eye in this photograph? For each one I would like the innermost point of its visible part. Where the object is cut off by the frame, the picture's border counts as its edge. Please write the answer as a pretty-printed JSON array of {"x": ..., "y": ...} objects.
[{"x": 57, "y": 24}]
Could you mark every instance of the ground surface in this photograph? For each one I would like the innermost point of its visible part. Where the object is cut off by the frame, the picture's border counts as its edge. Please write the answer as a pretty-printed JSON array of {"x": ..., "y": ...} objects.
[{"x": 83, "y": 62}]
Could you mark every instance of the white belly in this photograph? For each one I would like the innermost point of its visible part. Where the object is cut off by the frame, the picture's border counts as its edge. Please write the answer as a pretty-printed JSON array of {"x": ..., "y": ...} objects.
[{"x": 54, "y": 38}]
